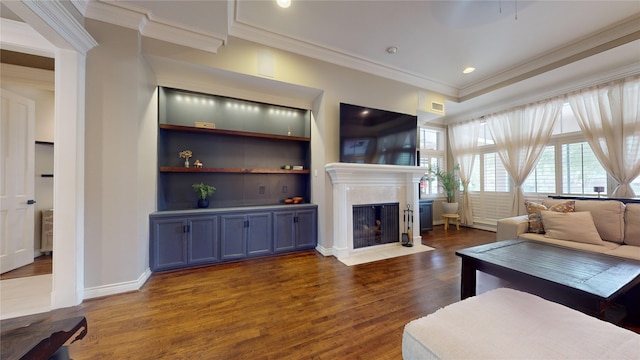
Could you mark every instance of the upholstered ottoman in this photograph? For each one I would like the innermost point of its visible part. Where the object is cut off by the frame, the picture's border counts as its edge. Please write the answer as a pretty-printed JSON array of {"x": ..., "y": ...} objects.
[{"x": 510, "y": 324}]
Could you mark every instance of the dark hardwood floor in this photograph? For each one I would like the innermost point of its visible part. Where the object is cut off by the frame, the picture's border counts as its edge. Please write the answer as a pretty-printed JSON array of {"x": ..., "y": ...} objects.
[
  {"x": 41, "y": 265},
  {"x": 296, "y": 306}
]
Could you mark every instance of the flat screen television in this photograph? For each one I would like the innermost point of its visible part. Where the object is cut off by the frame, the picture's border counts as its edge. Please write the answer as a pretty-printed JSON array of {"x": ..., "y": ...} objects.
[{"x": 374, "y": 136}]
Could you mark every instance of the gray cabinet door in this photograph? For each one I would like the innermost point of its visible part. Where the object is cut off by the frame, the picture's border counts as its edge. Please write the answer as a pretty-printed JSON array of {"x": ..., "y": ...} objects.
[
  {"x": 168, "y": 244},
  {"x": 426, "y": 215},
  {"x": 306, "y": 229},
  {"x": 259, "y": 234},
  {"x": 233, "y": 244},
  {"x": 203, "y": 239},
  {"x": 284, "y": 231}
]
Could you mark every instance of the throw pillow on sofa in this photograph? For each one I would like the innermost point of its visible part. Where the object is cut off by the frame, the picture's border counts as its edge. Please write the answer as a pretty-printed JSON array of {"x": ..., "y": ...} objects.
[
  {"x": 533, "y": 211},
  {"x": 572, "y": 226}
]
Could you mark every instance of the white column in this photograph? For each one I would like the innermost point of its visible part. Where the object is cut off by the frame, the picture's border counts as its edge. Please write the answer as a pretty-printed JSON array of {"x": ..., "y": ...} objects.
[
  {"x": 341, "y": 231},
  {"x": 68, "y": 196}
]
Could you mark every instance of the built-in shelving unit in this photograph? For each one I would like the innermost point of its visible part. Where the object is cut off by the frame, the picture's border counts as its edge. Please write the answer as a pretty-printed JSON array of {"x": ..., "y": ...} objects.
[{"x": 248, "y": 151}]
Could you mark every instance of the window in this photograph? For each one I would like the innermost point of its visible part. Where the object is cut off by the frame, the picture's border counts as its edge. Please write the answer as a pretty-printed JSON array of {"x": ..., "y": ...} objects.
[
  {"x": 635, "y": 185},
  {"x": 432, "y": 154},
  {"x": 581, "y": 171},
  {"x": 567, "y": 122},
  {"x": 484, "y": 137},
  {"x": 489, "y": 174},
  {"x": 543, "y": 177},
  {"x": 496, "y": 178},
  {"x": 431, "y": 139}
]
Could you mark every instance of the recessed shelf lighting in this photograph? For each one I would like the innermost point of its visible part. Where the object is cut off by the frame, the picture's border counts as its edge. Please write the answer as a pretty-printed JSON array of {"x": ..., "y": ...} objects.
[
  {"x": 283, "y": 3},
  {"x": 468, "y": 70}
]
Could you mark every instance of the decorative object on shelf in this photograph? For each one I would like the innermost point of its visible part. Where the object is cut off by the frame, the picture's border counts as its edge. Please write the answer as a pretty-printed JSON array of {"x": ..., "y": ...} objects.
[
  {"x": 198, "y": 164},
  {"x": 286, "y": 167},
  {"x": 298, "y": 167},
  {"x": 186, "y": 154},
  {"x": 598, "y": 189},
  {"x": 205, "y": 125},
  {"x": 450, "y": 183},
  {"x": 204, "y": 191},
  {"x": 288, "y": 201},
  {"x": 297, "y": 199}
]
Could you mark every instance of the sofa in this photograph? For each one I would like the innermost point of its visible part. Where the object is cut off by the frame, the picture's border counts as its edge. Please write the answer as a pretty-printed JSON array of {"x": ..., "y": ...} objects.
[{"x": 603, "y": 226}]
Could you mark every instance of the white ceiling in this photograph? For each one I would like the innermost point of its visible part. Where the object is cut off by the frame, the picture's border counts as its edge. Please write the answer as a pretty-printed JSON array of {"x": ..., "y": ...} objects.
[{"x": 510, "y": 43}]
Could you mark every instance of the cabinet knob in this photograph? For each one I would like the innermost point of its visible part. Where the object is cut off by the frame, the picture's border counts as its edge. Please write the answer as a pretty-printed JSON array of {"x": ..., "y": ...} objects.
[{"x": 31, "y": 202}]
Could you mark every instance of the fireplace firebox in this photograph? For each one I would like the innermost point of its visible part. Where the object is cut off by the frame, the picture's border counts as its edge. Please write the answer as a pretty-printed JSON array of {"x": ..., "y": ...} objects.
[{"x": 375, "y": 224}]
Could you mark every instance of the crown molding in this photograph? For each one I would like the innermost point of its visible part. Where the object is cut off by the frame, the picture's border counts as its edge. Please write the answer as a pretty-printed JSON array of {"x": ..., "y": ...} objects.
[
  {"x": 624, "y": 32},
  {"x": 63, "y": 23},
  {"x": 500, "y": 104},
  {"x": 111, "y": 14},
  {"x": 179, "y": 35},
  {"x": 319, "y": 52},
  {"x": 151, "y": 26},
  {"x": 54, "y": 21}
]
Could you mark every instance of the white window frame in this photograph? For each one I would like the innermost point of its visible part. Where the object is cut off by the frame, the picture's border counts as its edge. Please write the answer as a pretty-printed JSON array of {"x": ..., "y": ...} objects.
[{"x": 429, "y": 189}]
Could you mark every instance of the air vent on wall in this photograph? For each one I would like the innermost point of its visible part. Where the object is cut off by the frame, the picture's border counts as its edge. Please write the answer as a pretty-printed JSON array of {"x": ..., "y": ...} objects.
[{"x": 437, "y": 107}]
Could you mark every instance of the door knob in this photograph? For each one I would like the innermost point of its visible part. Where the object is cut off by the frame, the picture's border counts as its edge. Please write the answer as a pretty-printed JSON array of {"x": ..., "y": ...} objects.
[{"x": 31, "y": 202}]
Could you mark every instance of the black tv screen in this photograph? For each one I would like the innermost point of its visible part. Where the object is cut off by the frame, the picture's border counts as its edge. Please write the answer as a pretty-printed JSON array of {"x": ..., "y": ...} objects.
[{"x": 373, "y": 136}]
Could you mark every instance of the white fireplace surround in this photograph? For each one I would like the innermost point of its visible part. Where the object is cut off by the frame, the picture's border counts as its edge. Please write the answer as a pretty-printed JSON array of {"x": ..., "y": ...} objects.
[{"x": 358, "y": 184}]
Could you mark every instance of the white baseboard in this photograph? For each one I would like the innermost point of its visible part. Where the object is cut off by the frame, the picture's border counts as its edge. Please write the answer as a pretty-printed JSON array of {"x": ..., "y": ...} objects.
[
  {"x": 112, "y": 289},
  {"x": 324, "y": 251}
]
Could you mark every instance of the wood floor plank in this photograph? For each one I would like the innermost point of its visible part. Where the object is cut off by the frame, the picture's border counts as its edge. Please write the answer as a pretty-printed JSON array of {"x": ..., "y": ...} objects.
[{"x": 297, "y": 306}]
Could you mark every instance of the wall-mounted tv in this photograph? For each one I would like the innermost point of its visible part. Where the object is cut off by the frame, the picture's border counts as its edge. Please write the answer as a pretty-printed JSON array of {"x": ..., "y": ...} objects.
[{"x": 373, "y": 136}]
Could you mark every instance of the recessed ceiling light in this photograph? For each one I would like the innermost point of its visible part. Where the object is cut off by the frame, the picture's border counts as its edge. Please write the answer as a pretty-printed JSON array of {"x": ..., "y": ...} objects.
[
  {"x": 468, "y": 70},
  {"x": 392, "y": 49},
  {"x": 284, "y": 3}
]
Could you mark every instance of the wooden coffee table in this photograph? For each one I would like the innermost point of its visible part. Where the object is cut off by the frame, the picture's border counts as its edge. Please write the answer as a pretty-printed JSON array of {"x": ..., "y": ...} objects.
[{"x": 579, "y": 279}]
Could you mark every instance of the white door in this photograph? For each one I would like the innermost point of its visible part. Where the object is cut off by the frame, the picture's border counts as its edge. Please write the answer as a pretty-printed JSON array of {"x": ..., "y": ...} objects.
[{"x": 17, "y": 147}]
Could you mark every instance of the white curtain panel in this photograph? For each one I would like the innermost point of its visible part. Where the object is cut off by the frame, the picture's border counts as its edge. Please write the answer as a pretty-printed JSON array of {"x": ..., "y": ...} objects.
[
  {"x": 520, "y": 136},
  {"x": 463, "y": 139},
  {"x": 609, "y": 116}
]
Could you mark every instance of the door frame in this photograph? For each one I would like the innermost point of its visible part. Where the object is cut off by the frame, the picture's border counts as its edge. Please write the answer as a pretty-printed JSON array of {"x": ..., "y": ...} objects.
[{"x": 36, "y": 36}]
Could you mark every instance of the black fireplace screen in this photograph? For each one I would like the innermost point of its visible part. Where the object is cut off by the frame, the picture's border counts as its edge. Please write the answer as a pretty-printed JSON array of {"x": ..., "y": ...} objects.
[{"x": 375, "y": 224}]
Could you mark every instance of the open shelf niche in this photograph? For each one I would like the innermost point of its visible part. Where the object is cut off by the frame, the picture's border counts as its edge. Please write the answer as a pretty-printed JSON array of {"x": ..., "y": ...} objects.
[{"x": 244, "y": 147}]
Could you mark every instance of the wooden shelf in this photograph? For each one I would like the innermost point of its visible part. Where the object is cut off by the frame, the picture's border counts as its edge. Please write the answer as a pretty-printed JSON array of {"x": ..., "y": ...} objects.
[
  {"x": 230, "y": 170},
  {"x": 232, "y": 132}
]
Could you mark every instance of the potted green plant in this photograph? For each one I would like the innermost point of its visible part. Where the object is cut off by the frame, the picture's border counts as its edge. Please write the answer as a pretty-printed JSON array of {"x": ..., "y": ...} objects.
[
  {"x": 204, "y": 191},
  {"x": 450, "y": 184}
]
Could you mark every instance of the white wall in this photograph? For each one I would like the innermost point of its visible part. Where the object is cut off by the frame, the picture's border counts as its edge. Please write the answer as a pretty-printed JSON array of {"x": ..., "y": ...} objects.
[
  {"x": 120, "y": 160},
  {"x": 147, "y": 165}
]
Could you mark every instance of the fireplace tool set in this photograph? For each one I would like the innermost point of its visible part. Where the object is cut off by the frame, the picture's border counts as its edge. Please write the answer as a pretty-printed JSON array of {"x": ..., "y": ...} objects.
[{"x": 407, "y": 238}]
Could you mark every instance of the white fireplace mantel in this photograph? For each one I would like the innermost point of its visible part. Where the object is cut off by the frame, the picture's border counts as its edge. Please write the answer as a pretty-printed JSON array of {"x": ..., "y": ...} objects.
[{"x": 357, "y": 184}]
